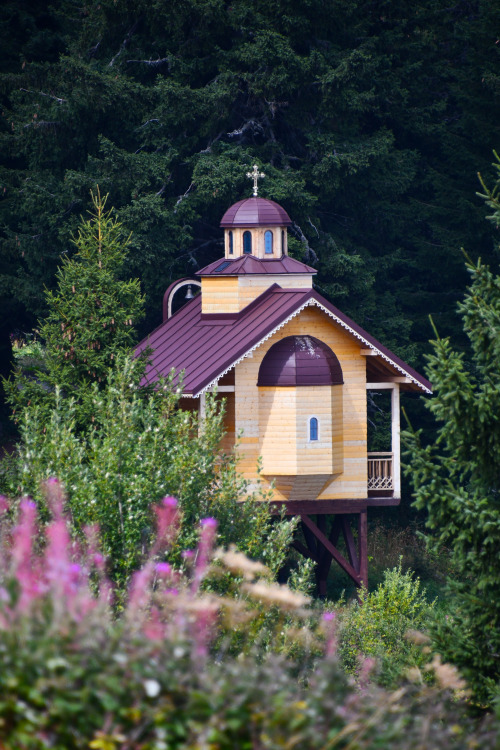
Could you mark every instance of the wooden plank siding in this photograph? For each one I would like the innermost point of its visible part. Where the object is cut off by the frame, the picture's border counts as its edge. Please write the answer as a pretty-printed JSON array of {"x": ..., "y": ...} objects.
[
  {"x": 219, "y": 295},
  {"x": 230, "y": 294},
  {"x": 274, "y": 432}
]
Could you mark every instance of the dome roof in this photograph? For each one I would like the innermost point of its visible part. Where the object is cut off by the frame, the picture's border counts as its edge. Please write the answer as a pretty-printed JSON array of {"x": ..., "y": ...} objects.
[
  {"x": 300, "y": 360},
  {"x": 255, "y": 212}
]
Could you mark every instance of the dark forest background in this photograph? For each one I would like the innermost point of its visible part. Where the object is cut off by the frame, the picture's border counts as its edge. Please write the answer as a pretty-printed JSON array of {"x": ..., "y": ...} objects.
[{"x": 370, "y": 120}]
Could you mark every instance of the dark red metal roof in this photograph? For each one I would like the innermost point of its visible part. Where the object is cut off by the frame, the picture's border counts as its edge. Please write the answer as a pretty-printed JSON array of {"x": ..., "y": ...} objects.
[
  {"x": 300, "y": 360},
  {"x": 255, "y": 212},
  {"x": 207, "y": 346},
  {"x": 248, "y": 264}
]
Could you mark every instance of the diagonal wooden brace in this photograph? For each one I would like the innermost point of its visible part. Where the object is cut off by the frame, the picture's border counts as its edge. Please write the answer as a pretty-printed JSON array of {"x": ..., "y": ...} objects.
[{"x": 337, "y": 556}]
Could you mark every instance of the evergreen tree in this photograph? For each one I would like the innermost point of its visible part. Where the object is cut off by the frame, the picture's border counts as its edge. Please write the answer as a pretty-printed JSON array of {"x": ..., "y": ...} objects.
[
  {"x": 89, "y": 322},
  {"x": 457, "y": 479},
  {"x": 370, "y": 120}
]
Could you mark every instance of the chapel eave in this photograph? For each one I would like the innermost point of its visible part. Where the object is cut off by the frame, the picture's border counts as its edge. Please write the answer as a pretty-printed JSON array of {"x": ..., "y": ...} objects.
[{"x": 206, "y": 347}]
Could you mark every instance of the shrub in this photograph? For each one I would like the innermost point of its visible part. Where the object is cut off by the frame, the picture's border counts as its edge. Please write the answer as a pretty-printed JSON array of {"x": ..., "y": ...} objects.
[
  {"x": 138, "y": 448},
  {"x": 77, "y": 674},
  {"x": 376, "y": 627}
]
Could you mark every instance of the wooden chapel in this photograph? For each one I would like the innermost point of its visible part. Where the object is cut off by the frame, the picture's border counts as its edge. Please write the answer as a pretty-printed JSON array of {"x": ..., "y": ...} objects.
[{"x": 294, "y": 371}]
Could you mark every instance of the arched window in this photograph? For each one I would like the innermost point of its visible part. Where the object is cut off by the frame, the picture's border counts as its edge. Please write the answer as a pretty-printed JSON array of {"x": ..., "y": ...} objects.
[
  {"x": 313, "y": 429},
  {"x": 268, "y": 242},
  {"x": 282, "y": 241},
  {"x": 247, "y": 243},
  {"x": 230, "y": 242}
]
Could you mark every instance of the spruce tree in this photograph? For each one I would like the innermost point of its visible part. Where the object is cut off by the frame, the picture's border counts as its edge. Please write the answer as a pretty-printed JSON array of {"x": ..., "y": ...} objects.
[
  {"x": 457, "y": 478},
  {"x": 90, "y": 320}
]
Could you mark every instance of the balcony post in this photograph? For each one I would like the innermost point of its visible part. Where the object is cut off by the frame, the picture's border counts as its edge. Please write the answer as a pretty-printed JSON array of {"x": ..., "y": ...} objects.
[
  {"x": 202, "y": 412},
  {"x": 396, "y": 441}
]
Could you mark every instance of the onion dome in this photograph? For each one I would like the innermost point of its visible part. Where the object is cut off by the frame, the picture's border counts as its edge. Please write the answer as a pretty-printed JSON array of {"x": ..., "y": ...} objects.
[
  {"x": 255, "y": 212},
  {"x": 300, "y": 360}
]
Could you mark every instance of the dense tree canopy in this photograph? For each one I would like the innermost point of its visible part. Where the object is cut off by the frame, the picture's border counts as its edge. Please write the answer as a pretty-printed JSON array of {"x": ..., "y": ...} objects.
[{"x": 369, "y": 118}]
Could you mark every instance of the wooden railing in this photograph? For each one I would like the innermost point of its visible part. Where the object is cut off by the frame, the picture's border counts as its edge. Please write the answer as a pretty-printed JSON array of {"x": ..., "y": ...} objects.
[{"x": 380, "y": 476}]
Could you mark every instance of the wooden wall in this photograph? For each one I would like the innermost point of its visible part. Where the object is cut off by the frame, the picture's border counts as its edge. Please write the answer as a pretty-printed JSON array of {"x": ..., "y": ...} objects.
[
  {"x": 349, "y": 433},
  {"x": 230, "y": 294}
]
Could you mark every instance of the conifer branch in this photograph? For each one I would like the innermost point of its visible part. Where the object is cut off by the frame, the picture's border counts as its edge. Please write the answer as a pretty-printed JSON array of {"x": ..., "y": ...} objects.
[
  {"x": 124, "y": 44},
  {"x": 42, "y": 93}
]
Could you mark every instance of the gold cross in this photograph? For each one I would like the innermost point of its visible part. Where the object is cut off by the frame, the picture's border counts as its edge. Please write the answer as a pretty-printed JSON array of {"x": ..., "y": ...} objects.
[{"x": 255, "y": 175}]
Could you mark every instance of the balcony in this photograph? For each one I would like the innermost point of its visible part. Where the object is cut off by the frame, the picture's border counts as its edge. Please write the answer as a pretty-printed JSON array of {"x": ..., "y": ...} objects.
[{"x": 380, "y": 472}]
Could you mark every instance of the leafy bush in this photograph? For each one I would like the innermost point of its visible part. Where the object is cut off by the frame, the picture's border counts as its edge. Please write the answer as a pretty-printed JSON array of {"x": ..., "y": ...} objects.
[
  {"x": 156, "y": 675},
  {"x": 139, "y": 447},
  {"x": 376, "y": 627}
]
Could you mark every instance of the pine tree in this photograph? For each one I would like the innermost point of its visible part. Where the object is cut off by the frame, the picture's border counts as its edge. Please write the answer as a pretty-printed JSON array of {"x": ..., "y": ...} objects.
[{"x": 90, "y": 320}]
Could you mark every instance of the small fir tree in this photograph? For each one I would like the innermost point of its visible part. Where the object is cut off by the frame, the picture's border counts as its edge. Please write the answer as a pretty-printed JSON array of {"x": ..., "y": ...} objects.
[
  {"x": 90, "y": 320},
  {"x": 457, "y": 479}
]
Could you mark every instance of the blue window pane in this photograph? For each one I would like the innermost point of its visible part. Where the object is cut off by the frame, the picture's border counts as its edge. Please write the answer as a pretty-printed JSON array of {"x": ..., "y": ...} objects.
[
  {"x": 230, "y": 243},
  {"x": 313, "y": 428},
  {"x": 268, "y": 242},
  {"x": 247, "y": 242}
]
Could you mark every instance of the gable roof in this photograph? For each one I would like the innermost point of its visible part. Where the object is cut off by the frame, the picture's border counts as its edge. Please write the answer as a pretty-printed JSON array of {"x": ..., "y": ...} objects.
[{"x": 206, "y": 347}]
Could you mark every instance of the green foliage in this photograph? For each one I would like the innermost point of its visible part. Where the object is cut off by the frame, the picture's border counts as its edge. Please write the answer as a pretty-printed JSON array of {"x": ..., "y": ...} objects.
[
  {"x": 377, "y": 625},
  {"x": 156, "y": 674},
  {"x": 117, "y": 446},
  {"x": 137, "y": 448},
  {"x": 457, "y": 479},
  {"x": 89, "y": 322},
  {"x": 361, "y": 118}
]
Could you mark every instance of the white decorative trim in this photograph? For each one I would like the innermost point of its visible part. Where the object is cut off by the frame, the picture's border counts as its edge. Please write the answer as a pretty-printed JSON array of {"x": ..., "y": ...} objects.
[
  {"x": 372, "y": 347},
  {"x": 309, "y": 303}
]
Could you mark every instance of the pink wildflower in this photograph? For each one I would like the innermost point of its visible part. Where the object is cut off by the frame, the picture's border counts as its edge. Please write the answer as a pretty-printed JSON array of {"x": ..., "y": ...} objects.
[
  {"x": 22, "y": 552},
  {"x": 139, "y": 589},
  {"x": 367, "y": 665},
  {"x": 154, "y": 628},
  {"x": 205, "y": 546},
  {"x": 167, "y": 522}
]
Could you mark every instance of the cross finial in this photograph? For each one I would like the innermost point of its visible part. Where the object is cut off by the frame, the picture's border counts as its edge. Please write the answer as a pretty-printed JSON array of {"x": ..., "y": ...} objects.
[{"x": 255, "y": 175}]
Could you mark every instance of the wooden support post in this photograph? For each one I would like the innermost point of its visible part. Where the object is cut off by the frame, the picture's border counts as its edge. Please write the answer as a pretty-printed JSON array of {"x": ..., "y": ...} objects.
[
  {"x": 396, "y": 441},
  {"x": 310, "y": 541},
  {"x": 202, "y": 412},
  {"x": 363, "y": 547},
  {"x": 303, "y": 550},
  {"x": 325, "y": 558},
  {"x": 349, "y": 542}
]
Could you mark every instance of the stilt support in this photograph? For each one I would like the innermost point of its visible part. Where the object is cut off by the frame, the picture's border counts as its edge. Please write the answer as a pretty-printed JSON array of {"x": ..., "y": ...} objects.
[{"x": 323, "y": 549}]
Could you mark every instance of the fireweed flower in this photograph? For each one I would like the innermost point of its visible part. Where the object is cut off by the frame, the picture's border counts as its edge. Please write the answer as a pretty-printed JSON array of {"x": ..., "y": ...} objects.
[
  {"x": 167, "y": 523},
  {"x": 207, "y": 537}
]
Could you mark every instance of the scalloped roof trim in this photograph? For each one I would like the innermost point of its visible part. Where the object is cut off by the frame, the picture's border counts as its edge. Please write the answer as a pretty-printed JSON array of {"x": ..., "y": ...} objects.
[{"x": 281, "y": 325}]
